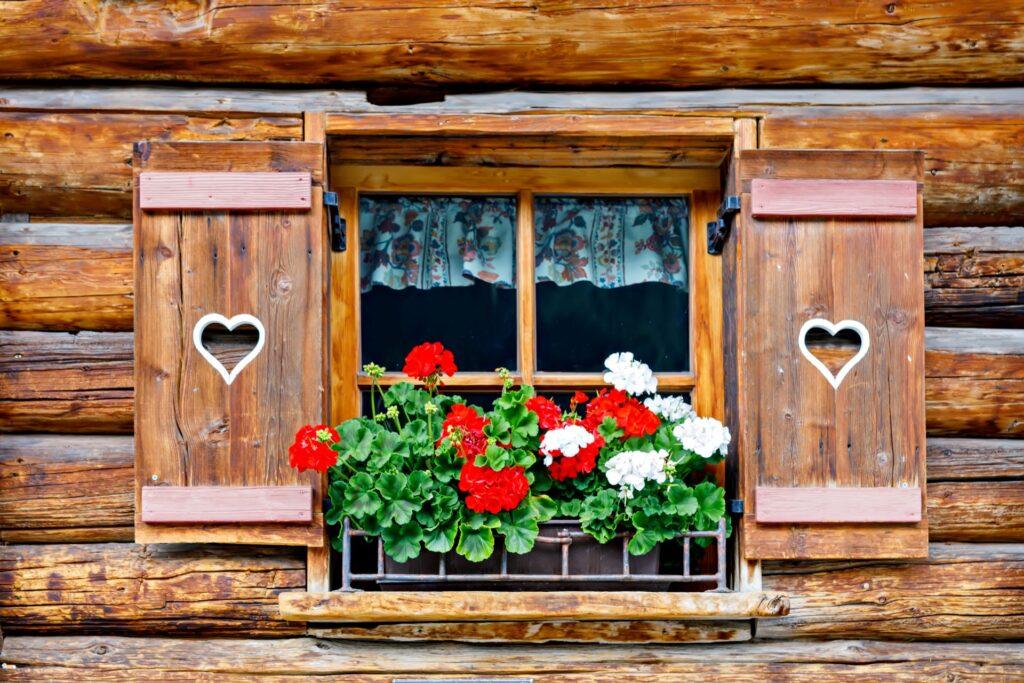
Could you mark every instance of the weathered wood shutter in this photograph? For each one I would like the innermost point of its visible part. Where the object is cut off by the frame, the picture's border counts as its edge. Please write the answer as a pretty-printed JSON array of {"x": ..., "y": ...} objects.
[
  {"x": 830, "y": 465},
  {"x": 227, "y": 229}
]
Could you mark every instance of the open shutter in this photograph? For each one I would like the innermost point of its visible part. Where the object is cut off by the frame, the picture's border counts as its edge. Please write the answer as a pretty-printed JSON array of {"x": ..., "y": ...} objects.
[
  {"x": 227, "y": 234},
  {"x": 830, "y": 433}
]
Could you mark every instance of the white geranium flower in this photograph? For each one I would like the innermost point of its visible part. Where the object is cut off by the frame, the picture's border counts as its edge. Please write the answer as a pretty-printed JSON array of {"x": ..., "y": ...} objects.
[
  {"x": 627, "y": 374},
  {"x": 669, "y": 408},
  {"x": 568, "y": 441},
  {"x": 705, "y": 436},
  {"x": 630, "y": 470}
]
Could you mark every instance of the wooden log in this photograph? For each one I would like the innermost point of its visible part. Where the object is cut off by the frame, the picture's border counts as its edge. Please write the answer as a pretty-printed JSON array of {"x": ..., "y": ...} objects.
[
  {"x": 66, "y": 488},
  {"x": 580, "y": 44},
  {"x": 967, "y": 511},
  {"x": 975, "y": 382},
  {"x": 971, "y": 173},
  {"x": 57, "y": 382},
  {"x": 975, "y": 459},
  {"x": 120, "y": 658},
  {"x": 960, "y": 592},
  {"x": 79, "y": 164},
  {"x": 127, "y": 588},
  {"x": 974, "y": 277}
]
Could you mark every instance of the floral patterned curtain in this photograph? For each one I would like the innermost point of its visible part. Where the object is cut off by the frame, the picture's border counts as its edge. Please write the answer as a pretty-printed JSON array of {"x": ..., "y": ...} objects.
[
  {"x": 425, "y": 241},
  {"x": 612, "y": 242}
]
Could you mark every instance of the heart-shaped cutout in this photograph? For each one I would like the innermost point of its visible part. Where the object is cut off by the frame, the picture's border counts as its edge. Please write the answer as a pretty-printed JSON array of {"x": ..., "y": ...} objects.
[
  {"x": 230, "y": 324},
  {"x": 836, "y": 348}
]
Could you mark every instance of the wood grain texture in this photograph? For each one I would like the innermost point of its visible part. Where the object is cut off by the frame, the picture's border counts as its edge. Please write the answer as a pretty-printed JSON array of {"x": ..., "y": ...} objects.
[
  {"x": 952, "y": 459},
  {"x": 846, "y": 198},
  {"x": 969, "y": 511},
  {"x": 406, "y": 606},
  {"x": 66, "y": 488},
  {"x": 57, "y": 382},
  {"x": 974, "y": 277},
  {"x": 971, "y": 172},
  {"x": 265, "y": 263},
  {"x": 114, "y": 658},
  {"x": 960, "y": 592},
  {"x": 79, "y": 164},
  {"x": 810, "y": 505},
  {"x": 574, "y": 44},
  {"x": 226, "y": 504},
  {"x": 792, "y": 428},
  {"x": 126, "y": 588},
  {"x": 239, "y": 190}
]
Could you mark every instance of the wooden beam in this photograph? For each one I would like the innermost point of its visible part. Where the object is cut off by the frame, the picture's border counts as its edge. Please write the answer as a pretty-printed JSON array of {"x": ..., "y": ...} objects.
[
  {"x": 77, "y": 658},
  {"x": 126, "y": 588},
  {"x": 225, "y": 504},
  {"x": 960, "y": 592},
  {"x": 682, "y": 45},
  {"x": 975, "y": 459},
  {"x": 413, "y": 606}
]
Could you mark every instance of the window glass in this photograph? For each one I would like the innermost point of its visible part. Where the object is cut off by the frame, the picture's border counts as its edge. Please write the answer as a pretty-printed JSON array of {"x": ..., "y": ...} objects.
[
  {"x": 438, "y": 268},
  {"x": 612, "y": 275}
]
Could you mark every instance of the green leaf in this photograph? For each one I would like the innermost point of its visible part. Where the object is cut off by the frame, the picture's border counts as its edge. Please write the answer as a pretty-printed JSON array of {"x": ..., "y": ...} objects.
[
  {"x": 570, "y": 508},
  {"x": 476, "y": 545},
  {"x": 408, "y": 397},
  {"x": 495, "y": 457},
  {"x": 388, "y": 451},
  {"x": 544, "y": 508},
  {"x": 519, "y": 527},
  {"x": 400, "y": 503},
  {"x": 402, "y": 542},
  {"x": 710, "y": 501},
  {"x": 391, "y": 485},
  {"x": 356, "y": 442},
  {"x": 681, "y": 500},
  {"x": 441, "y": 539},
  {"x": 609, "y": 429},
  {"x": 479, "y": 520},
  {"x": 643, "y": 542}
]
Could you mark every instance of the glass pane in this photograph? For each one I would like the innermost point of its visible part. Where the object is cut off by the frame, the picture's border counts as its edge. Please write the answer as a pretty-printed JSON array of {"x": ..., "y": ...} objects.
[
  {"x": 612, "y": 275},
  {"x": 438, "y": 268}
]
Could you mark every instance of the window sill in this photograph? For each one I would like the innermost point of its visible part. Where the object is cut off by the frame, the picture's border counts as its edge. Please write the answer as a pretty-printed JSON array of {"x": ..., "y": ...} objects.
[{"x": 430, "y": 606}]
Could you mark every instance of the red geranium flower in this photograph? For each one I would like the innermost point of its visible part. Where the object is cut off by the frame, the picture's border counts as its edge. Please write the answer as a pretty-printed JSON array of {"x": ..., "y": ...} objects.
[
  {"x": 562, "y": 468},
  {"x": 632, "y": 416},
  {"x": 547, "y": 410},
  {"x": 493, "y": 491},
  {"x": 312, "y": 448},
  {"x": 428, "y": 361},
  {"x": 466, "y": 427}
]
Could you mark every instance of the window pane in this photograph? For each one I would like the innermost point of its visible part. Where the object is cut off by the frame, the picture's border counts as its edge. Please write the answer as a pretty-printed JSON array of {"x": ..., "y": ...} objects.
[
  {"x": 441, "y": 269},
  {"x": 612, "y": 276}
]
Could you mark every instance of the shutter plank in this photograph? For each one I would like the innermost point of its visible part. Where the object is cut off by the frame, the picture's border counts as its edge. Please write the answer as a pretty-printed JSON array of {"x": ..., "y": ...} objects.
[
  {"x": 220, "y": 504},
  {"x": 850, "y": 198},
  {"x": 246, "y": 191},
  {"x": 834, "y": 505}
]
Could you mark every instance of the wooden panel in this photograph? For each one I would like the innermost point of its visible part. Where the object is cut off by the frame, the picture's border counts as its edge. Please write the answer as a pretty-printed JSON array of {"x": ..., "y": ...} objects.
[
  {"x": 959, "y": 592},
  {"x": 224, "y": 504},
  {"x": 269, "y": 264},
  {"x": 125, "y": 588},
  {"x": 410, "y": 606},
  {"x": 114, "y": 658},
  {"x": 79, "y": 163},
  {"x": 811, "y": 505},
  {"x": 197, "y": 190},
  {"x": 849, "y": 198},
  {"x": 974, "y": 277},
  {"x": 474, "y": 44},
  {"x": 792, "y": 426}
]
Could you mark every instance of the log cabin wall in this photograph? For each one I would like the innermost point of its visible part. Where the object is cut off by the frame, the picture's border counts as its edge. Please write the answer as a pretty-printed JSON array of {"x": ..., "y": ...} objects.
[{"x": 78, "y": 596}]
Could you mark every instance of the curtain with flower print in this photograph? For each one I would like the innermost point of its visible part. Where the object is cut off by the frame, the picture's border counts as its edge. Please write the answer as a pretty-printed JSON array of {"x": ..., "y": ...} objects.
[
  {"x": 612, "y": 242},
  {"x": 425, "y": 241}
]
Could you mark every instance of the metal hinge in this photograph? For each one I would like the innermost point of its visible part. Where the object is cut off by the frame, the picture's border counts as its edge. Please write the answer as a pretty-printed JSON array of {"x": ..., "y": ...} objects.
[
  {"x": 719, "y": 229},
  {"x": 335, "y": 223},
  {"x": 736, "y": 506}
]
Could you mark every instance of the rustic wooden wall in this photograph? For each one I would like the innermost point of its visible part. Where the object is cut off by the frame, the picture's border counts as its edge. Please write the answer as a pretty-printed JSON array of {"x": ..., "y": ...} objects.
[{"x": 77, "y": 596}]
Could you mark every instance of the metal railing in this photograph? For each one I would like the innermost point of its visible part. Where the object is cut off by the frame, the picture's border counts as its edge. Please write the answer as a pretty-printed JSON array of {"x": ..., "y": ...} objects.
[{"x": 564, "y": 538}]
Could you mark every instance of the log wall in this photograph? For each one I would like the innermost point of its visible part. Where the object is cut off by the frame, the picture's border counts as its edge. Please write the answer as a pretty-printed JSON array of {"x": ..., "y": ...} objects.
[{"x": 78, "y": 599}]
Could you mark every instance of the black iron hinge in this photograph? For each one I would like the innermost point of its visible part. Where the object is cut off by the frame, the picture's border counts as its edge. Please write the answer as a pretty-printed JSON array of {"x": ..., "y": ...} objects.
[
  {"x": 736, "y": 506},
  {"x": 335, "y": 223},
  {"x": 719, "y": 229}
]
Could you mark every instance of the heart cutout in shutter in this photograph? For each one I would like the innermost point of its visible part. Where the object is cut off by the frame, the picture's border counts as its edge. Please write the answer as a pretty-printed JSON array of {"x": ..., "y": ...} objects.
[
  {"x": 230, "y": 343},
  {"x": 843, "y": 345}
]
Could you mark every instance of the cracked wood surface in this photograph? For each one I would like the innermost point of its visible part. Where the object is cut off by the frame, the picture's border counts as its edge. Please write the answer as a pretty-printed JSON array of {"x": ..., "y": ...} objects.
[{"x": 520, "y": 43}]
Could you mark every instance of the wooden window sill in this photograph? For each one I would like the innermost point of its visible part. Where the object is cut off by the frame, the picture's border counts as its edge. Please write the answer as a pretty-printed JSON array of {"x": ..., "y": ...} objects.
[{"x": 429, "y": 606}]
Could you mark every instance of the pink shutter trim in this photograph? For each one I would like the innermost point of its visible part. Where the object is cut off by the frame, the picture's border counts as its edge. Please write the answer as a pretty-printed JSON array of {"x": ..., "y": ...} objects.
[
  {"x": 225, "y": 504},
  {"x": 836, "y": 505},
  {"x": 192, "y": 190},
  {"x": 847, "y": 198}
]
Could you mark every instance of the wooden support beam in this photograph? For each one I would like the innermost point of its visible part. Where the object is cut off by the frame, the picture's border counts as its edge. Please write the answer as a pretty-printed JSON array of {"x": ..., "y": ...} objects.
[
  {"x": 960, "y": 592},
  {"x": 77, "y": 658},
  {"x": 576, "y": 44}
]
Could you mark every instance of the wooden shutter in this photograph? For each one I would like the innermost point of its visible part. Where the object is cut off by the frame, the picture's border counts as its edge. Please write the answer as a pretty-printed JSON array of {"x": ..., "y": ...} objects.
[
  {"x": 227, "y": 229},
  {"x": 828, "y": 471}
]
